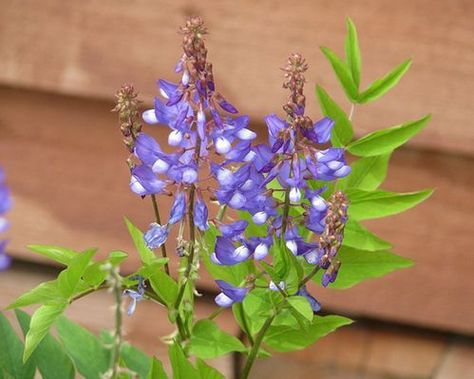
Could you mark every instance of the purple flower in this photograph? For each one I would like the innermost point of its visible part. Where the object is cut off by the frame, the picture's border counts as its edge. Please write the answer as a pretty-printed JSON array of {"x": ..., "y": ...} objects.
[
  {"x": 236, "y": 229},
  {"x": 5, "y": 205},
  {"x": 156, "y": 235},
  {"x": 201, "y": 214},
  {"x": 178, "y": 209},
  {"x": 330, "y": 164},
  {"x": 135, "y": 295},
  {"x": 315, "y": 305},
  {"x": 5, "y": 260},
  {"x": 226, "y": 253},
  {"x": 144, "y": 181},
  {"x": 296, "y": 244},
  {"x": 229, "y": 294},
  {"x": 321, "y": 131}
]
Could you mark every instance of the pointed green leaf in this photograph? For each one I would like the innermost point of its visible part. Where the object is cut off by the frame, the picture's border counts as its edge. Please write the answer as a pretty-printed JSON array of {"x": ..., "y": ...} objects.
[
  {"x": 146, "y": 255},
  {"x": 353, "y": 51},
  {"x": 157, "y": 371},
  {"x": 284, "y": 338},
  {"x": 366, "y": 205},
  {"x": 356, "y": 236},
  {"x": 44, "y": 293},
  {"x": 85, "y": 349},
  {"x": 367, "y": 173},
  {"x": 165, "y": 286},
  {"x": 208, "y": 341},
  {"x": 57, "y": 253},
  {"x": 257, "y": 308},
  {"x": 358, "y": 265},
  {"x": 208, "y": 372},
  {"x": 11, "y": 350},
  {"x": 50, "y": 357},
  {"x": 342, "y": 132},
  {"x": 182, "y": 368},
  {"x": 301, "y": 305},
  {"x": 135, "y": 360},
  {"x": 40, "y": 324},
  {"x": 68, "y": 279},
  {"x": 343, "y": 73},
  {"x": 381, "y": 86},
  {"x": 386, "y": 140}
]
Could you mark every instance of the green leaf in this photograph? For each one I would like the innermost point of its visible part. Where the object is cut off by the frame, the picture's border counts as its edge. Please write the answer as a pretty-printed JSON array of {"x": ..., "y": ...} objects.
[
  {"x": 358, "y": 265},
  {"x": 182, "y": 368},
  {"x": 366, "y": 205},
  {"x": 40, "y": 324},
  {"x": 343, "y": 73},
  {"x": 165, "y": 286},
  {"x": 301, "y": 305},
  {"x": 284, "y": 338},
  {"x": 50, "y": 357},
  {"x": 157, "y": 371},
  {"x": 386, "y": 140},
  {"x": 146, "y": 255},
  {"x": 356, "y": 236},
  {"x": 44, "y": 293},
  {"x": 85, "y": 349},
  {"x": 342, "y": 132},
  {"x": 381, "y": 86},
  {"x": 208, "y": 372},
  {"x": 257, "y": 307},
  {"x": 367, "y": 173},
  {"x": 208, "y": 341},
  {"x": 11, "y": 350},
  {"x": 59, "y": 254},
  {"x": 353, "y": 51},
  {"x": 68, "y": 279},
  {"x": 135, "y": 360}
]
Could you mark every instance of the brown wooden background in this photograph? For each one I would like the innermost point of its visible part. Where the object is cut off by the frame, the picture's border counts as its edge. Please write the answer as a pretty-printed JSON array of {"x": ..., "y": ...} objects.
[{"x": 60, "y": 64}]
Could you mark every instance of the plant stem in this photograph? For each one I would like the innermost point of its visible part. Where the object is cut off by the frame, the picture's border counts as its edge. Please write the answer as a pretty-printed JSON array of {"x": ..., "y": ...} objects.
[
  {"x": 351, "y": 112},
  {"x": 158, "y": 220},
  {"x": 286, "y": 211},
  {"x": 117, "y": 338},
  {"x": 221, "y": 213},
  {"x": 214, "y": 314},
  {"x": 308, "y": 277},
  {"x": 255, "y": 348}
]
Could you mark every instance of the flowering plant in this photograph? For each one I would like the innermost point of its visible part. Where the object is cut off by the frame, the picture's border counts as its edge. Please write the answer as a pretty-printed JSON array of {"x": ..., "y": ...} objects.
[{"x": 264, "y": 219}]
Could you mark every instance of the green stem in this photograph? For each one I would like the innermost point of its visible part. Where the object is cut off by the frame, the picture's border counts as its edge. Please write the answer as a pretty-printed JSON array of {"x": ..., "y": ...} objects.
[
  {"x": 286, "y": 212},
  {"x": 308, "y": 277},
  {"x": 245, "y": 324},
  {"x": 255, "y": 348},
  {"x": 158, "y": 220},
  {"x": 117, "y": 341},
  {"x": 214, "y": 314},
  {"x": 221, "y": 213}
]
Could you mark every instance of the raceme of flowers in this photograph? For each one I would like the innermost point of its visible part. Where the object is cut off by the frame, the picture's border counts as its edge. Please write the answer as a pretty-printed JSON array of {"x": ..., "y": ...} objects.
[
  {"x": 5, "y": 204},
  {"x": 206, "y": 131}
]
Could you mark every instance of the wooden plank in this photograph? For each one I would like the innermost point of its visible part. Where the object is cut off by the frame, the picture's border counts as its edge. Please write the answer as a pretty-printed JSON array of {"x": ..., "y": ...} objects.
[
  {"x": 90, "y": 48},
  {"x": 65, "y": 164}
]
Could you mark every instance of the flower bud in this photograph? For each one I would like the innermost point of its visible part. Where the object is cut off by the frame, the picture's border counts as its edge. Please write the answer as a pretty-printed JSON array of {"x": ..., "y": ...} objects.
[
  {"x": 175, "y": 138},
  {"x": 295, "y": 195},
  {"x": 223, "y": 145},
  {"x": 149, "y": 116},
  {"x": 260, "y": 218}
]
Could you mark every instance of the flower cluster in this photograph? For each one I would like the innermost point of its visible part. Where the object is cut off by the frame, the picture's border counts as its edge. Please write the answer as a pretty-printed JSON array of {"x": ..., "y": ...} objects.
[
  {"x": 296, "y": 155},
  {"x": 5, "y": 204}
]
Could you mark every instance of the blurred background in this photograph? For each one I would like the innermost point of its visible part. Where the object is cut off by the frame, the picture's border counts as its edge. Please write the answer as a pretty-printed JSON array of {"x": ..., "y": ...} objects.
[{"x": 61, "y": 63}]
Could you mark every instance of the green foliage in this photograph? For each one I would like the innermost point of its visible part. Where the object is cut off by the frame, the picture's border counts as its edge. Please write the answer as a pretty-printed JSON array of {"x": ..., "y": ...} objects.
[
  {"x": 44, "y": 293},
  {"x": 353, "y": 52},
  {"x": 343, "y": 73},
  {"x": 342, "y": 131},
  {"x": 146, "y": 255},
  {"x": 208, "y": 341},
  {"x": 358, "y": 265},
  {"x": 157, "y": 371},
  {"x": 284, "y": 338},
  {"x": 90, "y": 357},
  {"x": 367, "y": 173},
  {"x": 301, "y": 305},
  {"x": 356, "y": 236},
  {"x": 56, "y": 253},
  {"x": 208, "y": 372},
  {"x": 182, "y": 368},
  {"x": 382, "y": 85},
  {"x": 386, "y": 140},
  {"x": 11, "y": 351},
  {"x": 50, "y": 356},
  {"x": 365, "y": 205},
  {"x": 163, "y": 285}
]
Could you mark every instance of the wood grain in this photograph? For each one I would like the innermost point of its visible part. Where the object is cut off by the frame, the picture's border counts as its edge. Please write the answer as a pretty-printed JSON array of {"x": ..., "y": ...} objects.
[
  {"x": 65, "y": 164},
  {"x": 87, "y": 47}
]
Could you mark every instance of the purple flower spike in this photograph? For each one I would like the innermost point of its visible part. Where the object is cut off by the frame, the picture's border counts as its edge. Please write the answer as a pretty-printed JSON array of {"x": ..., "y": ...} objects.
[
  {"x": 228, "y": 107},
  {"x": 315, "y": 305},
  {"x": 5, "y": 205},
  {"x": 156, "y": 235},
  {"x": 323, "y": 129},
  {"x": 225, "y": 252},
  {"x": 229, "y": 294},
  {"x": 144, "y": 181},
  {"x": 178, "y": 209},
  {"x": 201, "y": 215}
]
